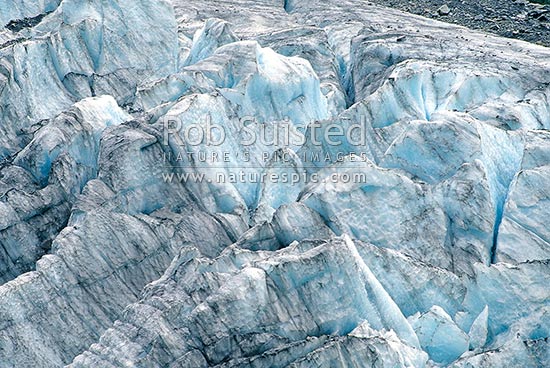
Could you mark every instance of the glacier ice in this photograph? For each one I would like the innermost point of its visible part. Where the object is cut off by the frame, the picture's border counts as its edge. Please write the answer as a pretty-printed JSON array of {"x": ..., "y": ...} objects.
[
  {"x": 436, "y": 255},
  {"x": 478, "y": 332},
  {"x": 439, "y": 335},
  {"x": 50, "y": 172},
  {"x": 527, "y": 201},
  {"x": 82, "y": 49},
  {"x": 14, "y": 11},
  {"x": 287, "y": 283},
  {"x": 215, "y": 33}
]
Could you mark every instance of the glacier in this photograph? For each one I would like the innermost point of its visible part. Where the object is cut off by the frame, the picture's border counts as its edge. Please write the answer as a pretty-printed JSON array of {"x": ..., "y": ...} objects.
[{"x": 121, "y": 247}]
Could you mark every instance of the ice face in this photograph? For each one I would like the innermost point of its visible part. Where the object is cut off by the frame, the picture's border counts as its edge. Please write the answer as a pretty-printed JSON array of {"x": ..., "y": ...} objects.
[
  {"x": 215, "y": 33},
  {"x": 439, "y": 335},
  {"x": 417, "y": 240},
  {"x": 82, "y": 49},
  {"x": 77, "y": 139},
  {"x": 261, "y": 281},
  {"x": 479, "y": 330},
  {"x": 526, "y": 201},
  {"x": 51, "y": 172}
]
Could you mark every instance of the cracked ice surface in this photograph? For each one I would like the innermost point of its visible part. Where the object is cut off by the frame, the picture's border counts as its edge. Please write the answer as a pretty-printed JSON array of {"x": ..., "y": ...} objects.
[{"x": 439, "y": 257}]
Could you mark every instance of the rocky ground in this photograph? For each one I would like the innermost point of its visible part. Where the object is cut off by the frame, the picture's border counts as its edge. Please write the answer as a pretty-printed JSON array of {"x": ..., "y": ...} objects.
[{"x": 519, "y": 19}]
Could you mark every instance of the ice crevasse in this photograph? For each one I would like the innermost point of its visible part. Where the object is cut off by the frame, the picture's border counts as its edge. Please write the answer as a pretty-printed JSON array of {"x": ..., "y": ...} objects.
[{"x": 437, "y": 254}]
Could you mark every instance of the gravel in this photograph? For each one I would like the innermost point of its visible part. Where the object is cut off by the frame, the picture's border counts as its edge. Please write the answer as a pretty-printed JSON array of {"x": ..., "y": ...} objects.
[{"x": 519, "y": 19}]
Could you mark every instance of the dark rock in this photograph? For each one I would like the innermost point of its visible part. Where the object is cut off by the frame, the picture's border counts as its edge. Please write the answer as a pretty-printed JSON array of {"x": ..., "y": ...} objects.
[{"x": 17, "y": 25}]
